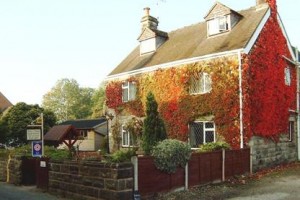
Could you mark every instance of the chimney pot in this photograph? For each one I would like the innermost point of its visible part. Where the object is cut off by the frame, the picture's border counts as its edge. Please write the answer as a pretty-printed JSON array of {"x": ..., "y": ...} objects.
[
  {"x": 147, "y": 11},
  {"x": 259, "y": 2}
]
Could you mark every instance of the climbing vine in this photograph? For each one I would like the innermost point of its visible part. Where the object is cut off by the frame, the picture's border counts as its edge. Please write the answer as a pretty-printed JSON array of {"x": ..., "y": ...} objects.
[
  {"x": 268, "y": 98},
  {"x": 178, "y": 108}
]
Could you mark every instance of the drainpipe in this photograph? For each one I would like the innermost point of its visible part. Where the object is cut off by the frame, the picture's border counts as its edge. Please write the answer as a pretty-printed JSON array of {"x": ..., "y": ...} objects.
[
  {"x": 241, "y": 101},
  {"x": 298, "y": 98}
]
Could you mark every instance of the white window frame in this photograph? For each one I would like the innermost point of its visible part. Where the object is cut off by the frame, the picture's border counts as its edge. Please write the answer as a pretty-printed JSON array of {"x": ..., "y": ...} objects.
[
  {"x": 219, "y": 24},
  {"x": 204, "y": 131},
  {"x": 287, "y": 76},
  {"x": 126, "y": 137},
  {"x": 201, "y": 84},
  {"x": 130, "y": 88}
]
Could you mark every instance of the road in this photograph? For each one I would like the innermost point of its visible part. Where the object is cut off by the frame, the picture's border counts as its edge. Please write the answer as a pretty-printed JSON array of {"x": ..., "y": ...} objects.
[{"x": 12, "y": 192}]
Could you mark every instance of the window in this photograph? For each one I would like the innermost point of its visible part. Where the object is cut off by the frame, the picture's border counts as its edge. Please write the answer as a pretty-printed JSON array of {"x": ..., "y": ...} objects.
[
  {"x": 291, "y": 130},
  {"x": 128, "y": 91},
  {"x": 200, "y": 84},
  {"x": 127, "y": 139},
  {"x": 287, "y": 76},
  {"x": 218, "y": 25},
  {"x": 202, "y": 133},
  {"x": 83, "y": 133}
]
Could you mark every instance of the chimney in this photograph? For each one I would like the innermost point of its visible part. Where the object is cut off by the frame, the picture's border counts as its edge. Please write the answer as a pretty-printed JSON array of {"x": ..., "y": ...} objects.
[
  {"x": 260, "y": 2},
  {"x": 149, "y": 21}
]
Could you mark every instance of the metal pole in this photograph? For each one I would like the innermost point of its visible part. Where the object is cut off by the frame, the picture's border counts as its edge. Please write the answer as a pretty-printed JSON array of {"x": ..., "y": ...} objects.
[
  {"x": 42, "y": 137},
  {"x": 107, "y": 119}
]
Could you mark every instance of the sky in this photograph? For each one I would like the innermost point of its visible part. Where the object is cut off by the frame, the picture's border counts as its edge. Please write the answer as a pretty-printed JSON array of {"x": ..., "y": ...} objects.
[{"x": 43, "y": 41}]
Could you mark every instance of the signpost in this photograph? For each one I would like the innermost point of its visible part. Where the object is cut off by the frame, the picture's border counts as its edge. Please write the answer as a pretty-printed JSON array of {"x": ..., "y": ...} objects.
[
  {"x": 35, "y": 133},
  {"x": 37, "y": 149}
]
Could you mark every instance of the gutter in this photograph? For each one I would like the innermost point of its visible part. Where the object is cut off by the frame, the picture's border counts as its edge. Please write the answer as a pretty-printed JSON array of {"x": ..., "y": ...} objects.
[
  {"x": 241, "y": 101},
  {"x": 172, "y": 64}
]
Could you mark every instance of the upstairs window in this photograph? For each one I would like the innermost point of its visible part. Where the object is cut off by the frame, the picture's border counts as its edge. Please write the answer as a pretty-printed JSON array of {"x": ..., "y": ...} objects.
[
  {"x": 201, "y": 133},
  {"x": 287, "y": 76},
  {"x": 128, "y": 91},
  {"x": 218, "y": 25},
  {"x": 200, "y": 84}
]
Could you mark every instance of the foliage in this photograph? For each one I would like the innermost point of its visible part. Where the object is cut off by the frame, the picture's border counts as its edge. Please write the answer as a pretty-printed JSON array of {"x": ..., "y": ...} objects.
[
  {"x": 135, "y": 128},
  {"x": 57, "y": 154},
  {"x": 69, "y": 101},
  {"x": 154, "y": 128},
  {"x": 213, "y": 146},
  {"x": 269, "y": 100},
  {"x": 121, "y": 156},
  {"x": 175, "y": 104},
  {"x": 98, "y": 99},
  {"x": 4, "y": 153},
  {"x": 50, "y": 152},
  {"x": 114, "y": 99},
  {"x": 116, "y": 130},
  {"x": 170, "y": 154},
  {"x": 15, "y": 121}
]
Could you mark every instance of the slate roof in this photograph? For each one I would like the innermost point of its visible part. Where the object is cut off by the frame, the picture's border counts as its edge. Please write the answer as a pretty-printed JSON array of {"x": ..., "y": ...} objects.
[
  {"x": 192, "y": 41},
  {"x": 85, "y": 123},
  {"x": 4, "y": 102},
  {"x": 59, "y": 132}
]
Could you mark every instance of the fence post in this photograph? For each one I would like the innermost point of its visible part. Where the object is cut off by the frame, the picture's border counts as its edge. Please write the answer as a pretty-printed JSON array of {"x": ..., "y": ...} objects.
[
  {"x": 187, "y": 176},
  {"x": 223, "y": 164},
  {"x": 134, "y": 161}
]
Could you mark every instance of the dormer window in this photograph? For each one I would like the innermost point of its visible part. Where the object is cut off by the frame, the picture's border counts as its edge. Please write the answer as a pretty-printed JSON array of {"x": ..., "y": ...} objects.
[
  {"x": 221, "y": 19},
  {"x": 218, "y": 25}
]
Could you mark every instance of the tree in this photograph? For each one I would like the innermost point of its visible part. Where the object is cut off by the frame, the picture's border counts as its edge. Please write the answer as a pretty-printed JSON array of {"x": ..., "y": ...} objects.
[
  {"x": 154, "y": 128},
  {"x": 68, "y": 101},
  {"x": 13, "y": 124},
  {"x": 98, "y": 102}
]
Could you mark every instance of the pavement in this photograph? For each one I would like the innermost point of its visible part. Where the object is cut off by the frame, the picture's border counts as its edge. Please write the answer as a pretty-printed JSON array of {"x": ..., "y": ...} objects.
[{"x": 12, "y": 192}]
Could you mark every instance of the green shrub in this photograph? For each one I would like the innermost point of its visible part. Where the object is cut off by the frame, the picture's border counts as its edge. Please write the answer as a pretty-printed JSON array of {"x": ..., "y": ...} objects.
[
  {"x": 51, "y": 152},
  {"x": 121, "y": 156},
  {"x": 154, "y": 127},
  {"x": 4, "y": 153},
  {"x": 57, "y": 154},
  {"x": 214, "y": 146},
  {"x": 170, "y": 154}
]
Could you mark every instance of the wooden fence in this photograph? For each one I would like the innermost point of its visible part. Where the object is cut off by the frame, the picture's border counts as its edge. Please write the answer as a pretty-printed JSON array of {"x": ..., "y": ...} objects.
[{"x": 202, "y": 168}]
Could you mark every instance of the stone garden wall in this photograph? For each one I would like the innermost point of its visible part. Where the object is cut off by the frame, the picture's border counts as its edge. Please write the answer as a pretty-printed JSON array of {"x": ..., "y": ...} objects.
[
  {"x": 91, "y": 180},
  {"x": 15, "y": 170},
  {"x": 267, "y": 153},
  {"x": 3, "y": 169}
]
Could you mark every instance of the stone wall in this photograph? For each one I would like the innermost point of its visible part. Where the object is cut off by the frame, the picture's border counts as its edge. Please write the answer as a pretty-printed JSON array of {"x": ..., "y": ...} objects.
[
  {"x": 91, "y": 180},
  {"x": 3, "y": 170},
  {"x": 267, "y": 153},
  {"x": 15, "y": 170}
]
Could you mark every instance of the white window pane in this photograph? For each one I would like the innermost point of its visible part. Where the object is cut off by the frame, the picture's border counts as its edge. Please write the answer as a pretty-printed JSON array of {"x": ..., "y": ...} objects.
[
  {"x": 213, "y": 26},
  {"x": 125, "y": 95},
  {"x": 132, "y": 91}
]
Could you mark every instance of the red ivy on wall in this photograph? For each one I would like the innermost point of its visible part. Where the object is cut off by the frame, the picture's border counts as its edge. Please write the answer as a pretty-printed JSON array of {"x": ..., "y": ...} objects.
[
  {"x": 178, "y": 108},
  {"x": 268, "y": 98}
]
